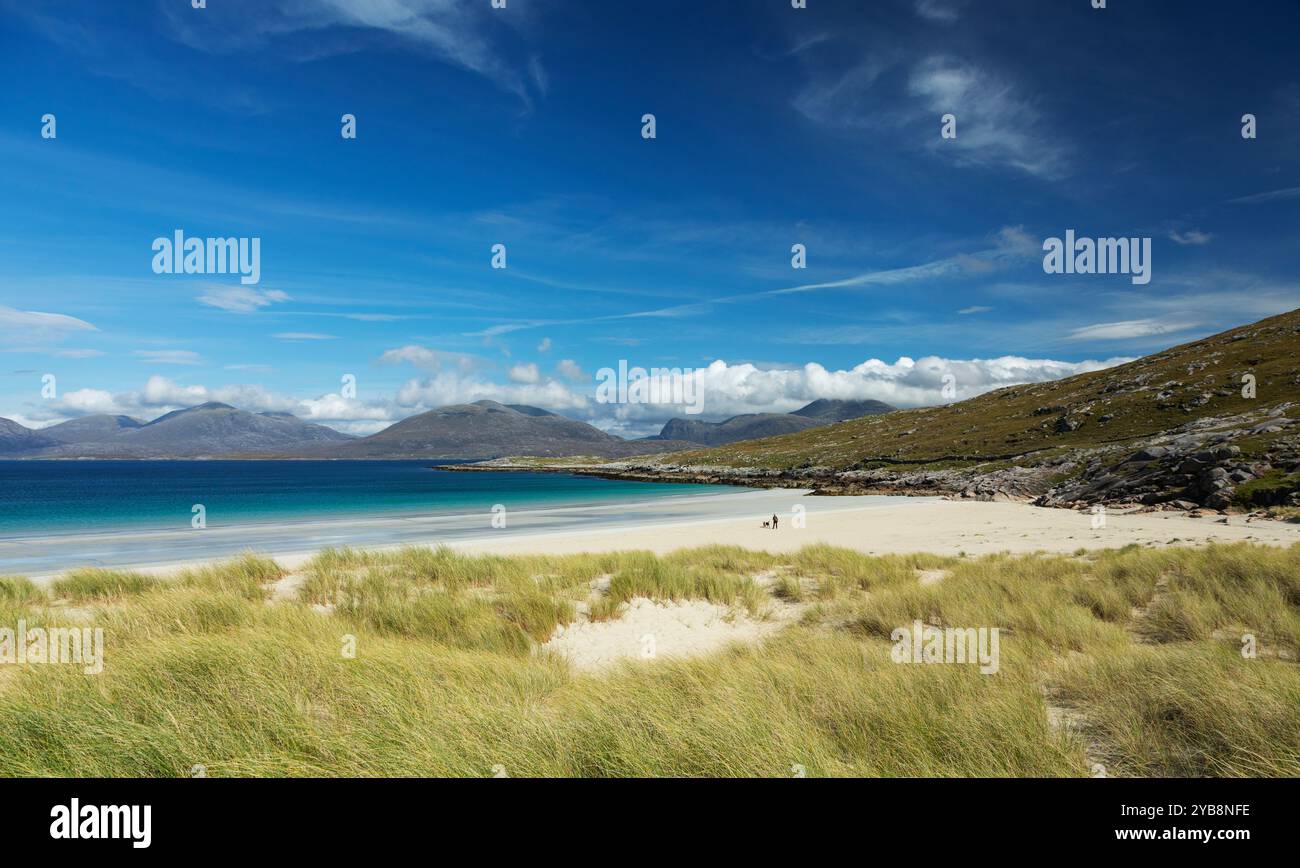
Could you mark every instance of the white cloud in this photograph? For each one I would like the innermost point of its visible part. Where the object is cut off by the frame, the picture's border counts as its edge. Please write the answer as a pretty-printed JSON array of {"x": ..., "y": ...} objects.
[
  {"x": 303, "y": 336},
  {"x": 452, "y": 388},
  {"x": 976, "y": 308},
  {"x": 162, "y": 392},
  {"x": 727, "y": 390},
  {"x": 886, "y": 92},
  {"x": 524, "y": 373},
  {"x": 730, "y": 390},
  {"x": 161, "y": 395},
  {"x": 1270, "y": 196},
  {"x": 168, "y": 357},
  {"x": 36, "y": 322},
  {"x": 241, "y": 299},
  {"x": 1191, "y": 236},
  {"x": 429, "y": 359},
  {"x": 943, "y": 11},
  {"x": 89, "y": 402},
  {"x": 907, "y": 382},
  {"x": 995, "y": 126},
  {"x": 544, "y": 346},
  {"x": 570, "y": 370},
  {"x": 77, "y": 354},
  {"x": 453, "y": 31},
  {"x": 1133, "y": 328}
]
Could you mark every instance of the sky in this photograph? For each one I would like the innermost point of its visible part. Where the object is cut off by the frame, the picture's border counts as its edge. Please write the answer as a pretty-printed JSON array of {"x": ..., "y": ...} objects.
[{"x": 774, "y": 126}]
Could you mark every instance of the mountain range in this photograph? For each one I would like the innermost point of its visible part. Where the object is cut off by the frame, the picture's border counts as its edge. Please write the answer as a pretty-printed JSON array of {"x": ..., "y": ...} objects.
[
  {"x": 752, "y": 426},
  {"x": 484, "y": 429},
  {"x": 196, "y": 432}
]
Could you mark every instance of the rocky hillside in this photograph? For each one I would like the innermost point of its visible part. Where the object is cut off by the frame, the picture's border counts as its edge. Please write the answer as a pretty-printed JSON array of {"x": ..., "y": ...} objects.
[{"x": 1214, "y": 423}]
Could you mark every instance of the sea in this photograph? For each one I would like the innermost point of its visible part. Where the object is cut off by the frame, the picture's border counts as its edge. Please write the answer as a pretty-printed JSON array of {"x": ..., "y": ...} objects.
[{"x": 59, "y": 514}]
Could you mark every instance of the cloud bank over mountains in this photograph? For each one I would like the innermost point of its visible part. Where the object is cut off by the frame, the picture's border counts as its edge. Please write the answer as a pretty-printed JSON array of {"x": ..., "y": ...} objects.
[{"x": 728, "y": 390}]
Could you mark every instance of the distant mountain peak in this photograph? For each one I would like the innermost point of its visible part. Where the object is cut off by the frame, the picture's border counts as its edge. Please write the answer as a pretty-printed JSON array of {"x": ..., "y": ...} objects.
[
  {"x": 841, "y": 410},
  {"x": 752, "y": 426},
  {"x": 187, "y": 411}
]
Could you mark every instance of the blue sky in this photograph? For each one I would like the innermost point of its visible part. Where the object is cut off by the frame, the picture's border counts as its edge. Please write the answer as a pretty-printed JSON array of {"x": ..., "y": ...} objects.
[{"x": 522, "y": 126}]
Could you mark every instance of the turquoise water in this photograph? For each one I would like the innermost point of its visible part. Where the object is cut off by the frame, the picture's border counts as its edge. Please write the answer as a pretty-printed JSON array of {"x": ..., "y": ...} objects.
[{"x": 58, "y": 497}]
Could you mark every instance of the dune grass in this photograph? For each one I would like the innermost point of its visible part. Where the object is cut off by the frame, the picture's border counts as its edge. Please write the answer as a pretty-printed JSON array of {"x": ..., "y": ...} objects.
[
  {"x": 94, "y": 584},
  {"x": 1200, "y": 710},
  {"x": 246, "y": 576},
  {"x": 19, "y": 590},
  {"x": 712, "y": 578},
  {"x": 426, "y": 662}
]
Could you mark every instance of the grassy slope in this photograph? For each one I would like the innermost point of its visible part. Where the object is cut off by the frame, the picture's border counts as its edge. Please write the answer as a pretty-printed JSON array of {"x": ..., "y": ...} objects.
[
  {"x": 1153, "y": 394},
  {"x": 1140, "y": 646}
]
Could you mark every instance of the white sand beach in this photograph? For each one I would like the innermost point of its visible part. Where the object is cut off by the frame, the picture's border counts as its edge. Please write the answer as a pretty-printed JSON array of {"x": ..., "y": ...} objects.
[
  {"x": 945, "y": 527},
  {"x": 873, "y": 525}
]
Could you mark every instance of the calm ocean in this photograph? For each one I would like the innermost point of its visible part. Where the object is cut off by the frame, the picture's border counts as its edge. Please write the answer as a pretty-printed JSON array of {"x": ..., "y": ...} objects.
[{"x": 73, "y": 497}]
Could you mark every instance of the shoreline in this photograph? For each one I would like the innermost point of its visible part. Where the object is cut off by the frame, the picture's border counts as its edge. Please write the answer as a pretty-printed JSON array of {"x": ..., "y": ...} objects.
[{"x": 871, "y": 525}]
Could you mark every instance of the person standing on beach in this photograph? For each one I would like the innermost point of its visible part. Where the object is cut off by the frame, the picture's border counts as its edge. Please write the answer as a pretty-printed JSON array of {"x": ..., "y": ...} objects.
[{"x": 774, "y": 521}]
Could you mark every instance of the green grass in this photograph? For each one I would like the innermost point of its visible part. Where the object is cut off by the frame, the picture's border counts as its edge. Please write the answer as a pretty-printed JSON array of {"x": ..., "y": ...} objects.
[
  {"x": 1190, "y": 710},
  {"x": 19, "y": 590},
  {"x": 1269, "y": 490},
  {"x": 1142, "y": 645},
  {"x": 644, "y": 575},
  {"x": 246, "y": 576},
  {"x": 94, "y": 584}
]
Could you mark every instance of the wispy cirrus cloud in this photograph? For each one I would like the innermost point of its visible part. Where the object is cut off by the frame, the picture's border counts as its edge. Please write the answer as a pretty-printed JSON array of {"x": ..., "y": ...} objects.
[
  {"x": 463, "y": 33},
  {"x": 1134, "y": 328},
  {"x": 304, "y": 336},
  {"x": 1269, "y": 196},
  {"x": 998, "y": 127},
  {"x": 241, "y": 299},
  {"x": 942, "y": 11},
  {"x": 35, "y": 322},
  {"x": 168, "y": 357}
]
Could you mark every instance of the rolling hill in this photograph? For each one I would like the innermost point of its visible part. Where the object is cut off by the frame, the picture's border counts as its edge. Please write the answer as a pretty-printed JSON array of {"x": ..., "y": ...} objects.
[
  {"x": 89, "y": 429},
  {"x": 1213, "y": 423}
]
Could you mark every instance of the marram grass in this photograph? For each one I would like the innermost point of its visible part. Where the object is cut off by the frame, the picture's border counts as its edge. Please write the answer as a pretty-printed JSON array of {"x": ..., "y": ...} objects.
[{"x": 1142, "y": 647}]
